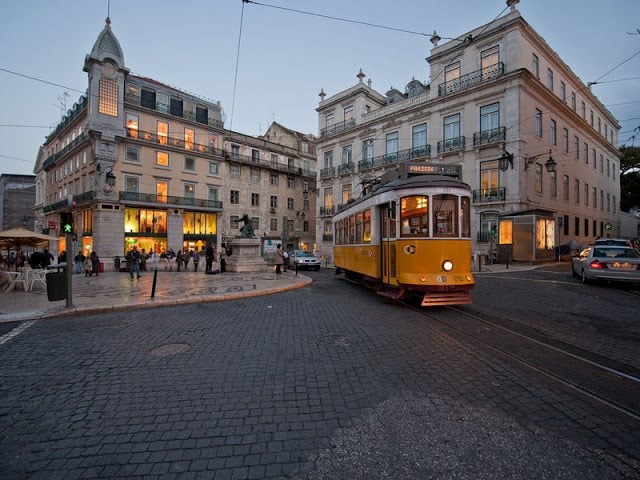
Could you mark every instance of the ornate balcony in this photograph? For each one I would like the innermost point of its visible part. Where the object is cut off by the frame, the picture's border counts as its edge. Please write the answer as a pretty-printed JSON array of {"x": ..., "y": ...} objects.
[
  {"x": 328, "y": 172},
  {"x": 489, "y": 137},
  {"x": 489, "y": 195},
  {"x": 455, "y": 144},
  {"x": 327, "y": 211},
  {"x": 409, "y": 154},
  {"x": 349, "y": 167},
  {"x": 338, "y": 127},
  {"x": 174, "y": 142},
  {"x": 169, "y": 201},
  {"x": 470, "y": 79}
]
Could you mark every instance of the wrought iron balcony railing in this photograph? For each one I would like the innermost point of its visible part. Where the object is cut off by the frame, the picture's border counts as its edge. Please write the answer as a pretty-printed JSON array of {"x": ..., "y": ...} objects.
[
  {"x": 397, "y": 157},
  {"x": 174, "y": 142},
  {"x": 327, "y": 172},
  {"x": 451, "y": 145},
  {"x": 338, "y": 127},
  {"x": 487, "y": 195},
  {"x": 325, "y": 211},
  {"x": 488, "y": 137},
  {"x": 349, "y": 167},
  {"x": 470, "y": 79},
  {"x": 169, "y": 200}
]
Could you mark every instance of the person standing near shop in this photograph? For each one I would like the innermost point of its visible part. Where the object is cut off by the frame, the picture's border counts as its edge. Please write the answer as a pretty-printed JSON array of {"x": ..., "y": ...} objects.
[
  {"x": 279, "y": 258},
  {"x": 133, "y": 261},
  {"x": 209, "y": 254}
]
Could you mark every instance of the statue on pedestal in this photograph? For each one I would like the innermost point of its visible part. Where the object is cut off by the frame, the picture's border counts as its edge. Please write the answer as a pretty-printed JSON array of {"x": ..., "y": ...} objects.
[{"x": 246, "y": 231}]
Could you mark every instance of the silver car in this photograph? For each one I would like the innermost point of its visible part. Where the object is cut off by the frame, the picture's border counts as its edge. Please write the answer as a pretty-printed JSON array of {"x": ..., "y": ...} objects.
[
  {"x": 607, "y": 262},
  {"x": 305, "y": 260}
]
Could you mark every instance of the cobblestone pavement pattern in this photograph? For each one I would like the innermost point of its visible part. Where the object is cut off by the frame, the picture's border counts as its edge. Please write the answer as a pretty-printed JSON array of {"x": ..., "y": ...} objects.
[{"x": 323, "y": 382}]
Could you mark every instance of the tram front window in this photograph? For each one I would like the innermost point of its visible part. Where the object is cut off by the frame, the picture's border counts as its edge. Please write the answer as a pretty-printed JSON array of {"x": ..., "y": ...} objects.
[{"x": 414, "y": 216}]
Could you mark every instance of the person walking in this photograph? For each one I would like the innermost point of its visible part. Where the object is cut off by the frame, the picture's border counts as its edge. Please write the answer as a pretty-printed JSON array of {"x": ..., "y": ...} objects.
[
  {"x": 95, "y": 263},
  {"x": 196, "y": 260},
  {"x": 133, "y": 261},
  {"x": 279, "y": 258},
  {"x": 209, "y": 254}
]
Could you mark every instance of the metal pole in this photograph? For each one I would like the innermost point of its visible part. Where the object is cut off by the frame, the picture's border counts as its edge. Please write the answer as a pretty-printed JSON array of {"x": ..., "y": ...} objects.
[
  {"x": 153, "y": 285},
  {"x": 70, "y": 255}
]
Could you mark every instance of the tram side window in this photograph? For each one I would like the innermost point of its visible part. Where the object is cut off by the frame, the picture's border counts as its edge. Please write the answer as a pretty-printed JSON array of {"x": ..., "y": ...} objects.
[
  {"x": 414, "y": 216},
  {"x": 352, "y": 229},
  {"x": 445, "y": 215},
  {"x": 366, "y": 236},
  {"x": 359, "y": 227},
  {"x": 465, "y": 211}
]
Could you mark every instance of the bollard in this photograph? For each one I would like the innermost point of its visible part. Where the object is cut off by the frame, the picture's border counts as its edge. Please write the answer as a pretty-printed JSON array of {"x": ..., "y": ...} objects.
[
  {"x": 479, "y": 263},
  {"x": 153, "y": 286}
]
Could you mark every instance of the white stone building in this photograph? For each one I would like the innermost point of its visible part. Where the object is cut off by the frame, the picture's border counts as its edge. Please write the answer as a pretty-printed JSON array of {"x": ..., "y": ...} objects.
[{"x": 499, "y": 105}]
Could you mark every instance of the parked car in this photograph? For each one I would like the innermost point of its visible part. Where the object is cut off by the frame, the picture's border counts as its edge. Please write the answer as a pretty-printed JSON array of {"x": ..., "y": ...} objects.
[
  {"x": 607, "y": 262},
  {"x": 303, "y": 259}
]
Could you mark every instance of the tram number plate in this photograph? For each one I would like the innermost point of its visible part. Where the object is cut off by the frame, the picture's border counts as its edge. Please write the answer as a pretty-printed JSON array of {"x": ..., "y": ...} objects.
[{"x": 622, "y": 265}]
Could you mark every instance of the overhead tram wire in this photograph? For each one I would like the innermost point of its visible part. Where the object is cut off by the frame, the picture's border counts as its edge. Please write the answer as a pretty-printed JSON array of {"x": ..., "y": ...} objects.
[{"x": 235, "y": 77}]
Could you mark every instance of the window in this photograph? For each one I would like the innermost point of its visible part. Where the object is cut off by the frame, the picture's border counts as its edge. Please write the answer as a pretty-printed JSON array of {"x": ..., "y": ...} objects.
[
  {"x": 175, "y": 107},
  {"x": 234, "y": 197},
  {"x": 573, "y": 101},
  {"x": 189, "y": 138},
  {"x": 414, "y": 216},
  {"x": 189, "y": 191},
  {"x": 108, "y": 100},
  {"x": 234, "y": 170},
  {"x": 346, "y": 193},
  {"x": 586, "y": 153},
  {"x": 452, "y": 76},
  {"x": 489, "y": 181},
  {"x": 488, "y": 60},
  {"x": 554, "y": 185},
  {"x": 391, "y": 145},
  {"x": 553, "y": 132},
  {"x": 274, "y": 160},
  {"x": 565, "y": 140},
  {"x": 291, "y": 182},
  {"x": 162, "y": 190},
  {"x": 273, "y": 224},
  {"x": 214, "y": 168},
  {"x": 586, "y": 227},
  {"x": 189, "y": 164},
  {"x": 538, "y": 121},
  {"x": 255, "y": 155},
  {"x": 328, "y": 198},
  {"x": 594, "y": 196},
  {"x": 162, "y": 159},
  {"x": 255, "y": 199},
  {"x": 538, "y": 179},
  {"x": 132, "y": 154},
  {"x": 273, "y": 178},
  {"x": 535, "y": 65},
  {"x": 329, "y": 119},
  {"x": 565, "y": 188},
  {"x": 563, "y": 91},
  {"x": 273, "y": 201},
  {"x": 234, "y": 222},
  {"x": 133, "y": 123},
  {"x": 586, "y": 195},
  {"x": 328, "y": 159},
  {"x": 445, "y": 215},
  {"x": 576, "y": 225},
  {"x": 550, "y": 79},
  {"x": 419, "y": 140},
  {"x": 576, "y": 147},
  {"x": 348, "y": 113},
  {"x": 346, "y": 154},
  {"x": 489, "y": 122},
  {"x": 235, "y": 151},
  {"x": 162, "y": 132},
  {"x": 255, "y": 175},
  {"x": 202, "y": 115},
  {"x": 576, "y": 191},
  {"x": 583, "y": 109},
  {"x": 212, "y": 193},
  {"x": 148, "y": 98},
  {"x": 451, "y": 130},
  {"x": 131, "y": 183},
  {"x": 367, "y": 150}
]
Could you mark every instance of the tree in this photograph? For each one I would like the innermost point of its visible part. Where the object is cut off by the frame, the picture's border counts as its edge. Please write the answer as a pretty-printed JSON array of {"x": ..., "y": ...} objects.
[{"x": 629, "y": 178}]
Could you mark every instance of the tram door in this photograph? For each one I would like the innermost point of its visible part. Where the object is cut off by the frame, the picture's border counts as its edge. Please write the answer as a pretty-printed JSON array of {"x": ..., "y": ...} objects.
[{"x": 388, "y": 244}]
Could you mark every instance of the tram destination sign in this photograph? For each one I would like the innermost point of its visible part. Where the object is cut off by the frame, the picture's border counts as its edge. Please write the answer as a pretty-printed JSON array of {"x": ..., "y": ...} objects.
[{"x": 432, "y": 169}]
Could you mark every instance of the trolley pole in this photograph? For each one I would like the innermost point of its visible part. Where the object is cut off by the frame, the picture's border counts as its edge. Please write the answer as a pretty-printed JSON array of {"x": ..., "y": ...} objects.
[{"x": 70, "y": 255}]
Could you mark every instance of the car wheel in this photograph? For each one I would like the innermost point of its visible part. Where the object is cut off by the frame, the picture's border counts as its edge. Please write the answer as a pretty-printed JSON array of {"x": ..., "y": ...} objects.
[{"x": 584, "y": 277}]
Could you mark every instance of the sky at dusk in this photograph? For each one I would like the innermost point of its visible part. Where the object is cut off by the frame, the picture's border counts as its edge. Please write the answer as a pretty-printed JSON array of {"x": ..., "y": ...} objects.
[{"x": 285, "y": 58}]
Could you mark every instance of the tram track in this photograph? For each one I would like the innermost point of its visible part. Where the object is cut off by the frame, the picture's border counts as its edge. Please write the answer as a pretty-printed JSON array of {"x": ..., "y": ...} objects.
[{"x": 606, "y": 384}]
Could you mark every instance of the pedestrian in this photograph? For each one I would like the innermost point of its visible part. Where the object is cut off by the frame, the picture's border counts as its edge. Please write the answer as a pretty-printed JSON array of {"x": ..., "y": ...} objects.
[
  {"x": 209, "y": 255},
  {"x": 279, "y": 258},
  {"x": 196, "y": 260},
  {"x": 95, "y": 263},
  {"x": 285, "y": 258},
  {"x": 179, "y": 259},
  {"x": 143, "y": 261},
  {"x": 87, "y": 266},
  {"x": 79, "y": 261},
  {"x": 133, "y": 261},
  {"x": 223, "y": 260}
]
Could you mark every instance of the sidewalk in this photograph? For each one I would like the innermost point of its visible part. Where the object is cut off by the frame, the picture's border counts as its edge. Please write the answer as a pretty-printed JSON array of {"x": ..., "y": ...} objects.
[{"x": 113, "y": 291}]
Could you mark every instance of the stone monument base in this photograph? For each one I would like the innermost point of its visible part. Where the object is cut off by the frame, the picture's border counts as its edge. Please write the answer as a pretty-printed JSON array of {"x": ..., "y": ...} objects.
[{"x": 245, "y": 256}]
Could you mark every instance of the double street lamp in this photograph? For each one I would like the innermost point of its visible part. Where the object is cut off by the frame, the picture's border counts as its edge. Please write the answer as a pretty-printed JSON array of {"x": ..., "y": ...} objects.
[{"x": 506, "y": 161}]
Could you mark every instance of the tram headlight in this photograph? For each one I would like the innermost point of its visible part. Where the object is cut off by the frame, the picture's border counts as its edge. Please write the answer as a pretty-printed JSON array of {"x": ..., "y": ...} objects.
[{"x": 447, "y": 265}]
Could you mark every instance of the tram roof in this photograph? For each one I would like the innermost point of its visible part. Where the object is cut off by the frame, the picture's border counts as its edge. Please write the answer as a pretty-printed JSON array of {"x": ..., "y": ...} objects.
[{"x": 409, "y": 182}]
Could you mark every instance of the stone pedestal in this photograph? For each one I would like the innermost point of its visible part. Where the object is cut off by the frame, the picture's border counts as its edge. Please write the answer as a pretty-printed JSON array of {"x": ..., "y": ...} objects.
[{"x": 246, "y": 256}]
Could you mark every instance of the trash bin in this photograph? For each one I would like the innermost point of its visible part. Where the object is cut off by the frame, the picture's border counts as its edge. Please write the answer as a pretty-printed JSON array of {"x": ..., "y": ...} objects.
[
  {"x": 56, "y": 286},
  {"x": 116, "y": 263}
]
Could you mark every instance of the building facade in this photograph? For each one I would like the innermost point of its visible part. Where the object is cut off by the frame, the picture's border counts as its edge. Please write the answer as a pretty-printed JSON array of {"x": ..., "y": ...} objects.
[
  {"x": 17, "y": 195},
  {"x": 536, "y": 146},
  {"x": 139, "y": 162}
]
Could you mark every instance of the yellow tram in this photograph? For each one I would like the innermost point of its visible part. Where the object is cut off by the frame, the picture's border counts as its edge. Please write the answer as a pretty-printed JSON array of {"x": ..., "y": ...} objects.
[{"x": 409, "y": 235}]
